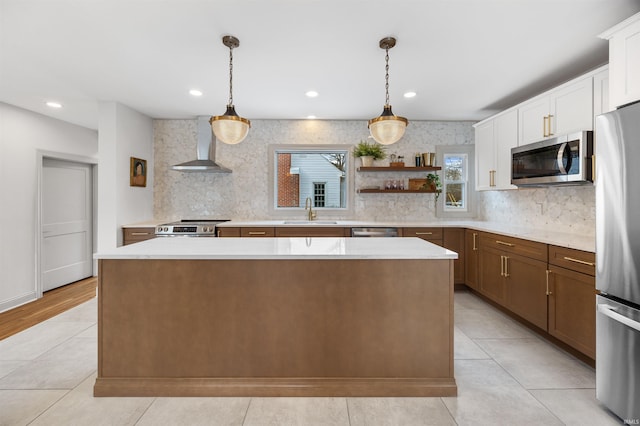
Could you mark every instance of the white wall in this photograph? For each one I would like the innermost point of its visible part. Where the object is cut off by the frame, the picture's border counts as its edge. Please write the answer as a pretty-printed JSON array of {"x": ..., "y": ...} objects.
[
  {"x": 22, "y": 134},
  {"x": 123, "y": 133}
]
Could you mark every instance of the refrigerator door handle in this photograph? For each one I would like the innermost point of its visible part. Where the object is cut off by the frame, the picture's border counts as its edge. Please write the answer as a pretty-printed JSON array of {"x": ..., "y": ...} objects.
[{"x": 609, "y": 311}]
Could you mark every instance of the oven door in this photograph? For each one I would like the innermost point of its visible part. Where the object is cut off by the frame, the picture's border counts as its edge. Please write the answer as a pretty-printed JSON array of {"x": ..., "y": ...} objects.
[{"x": 618, "y": 358}]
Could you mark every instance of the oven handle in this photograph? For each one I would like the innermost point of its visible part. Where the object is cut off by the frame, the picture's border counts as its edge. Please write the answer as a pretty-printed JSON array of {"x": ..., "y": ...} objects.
[
  {"x": 560, "y": 158},
  {"x": 609, "y": 311}
]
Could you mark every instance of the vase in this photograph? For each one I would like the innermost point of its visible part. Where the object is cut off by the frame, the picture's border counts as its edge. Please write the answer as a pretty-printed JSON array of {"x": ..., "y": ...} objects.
[{"x": 367, "y": 160}]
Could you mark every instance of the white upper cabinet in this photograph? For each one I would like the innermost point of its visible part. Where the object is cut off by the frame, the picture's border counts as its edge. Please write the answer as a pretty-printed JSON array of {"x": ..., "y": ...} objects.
[
  {"x": 494, "y": 139},
  {"x": 624, "y": 61},
  {"x": 566, "y": 109},
  {"x": 601, "y": 93}
]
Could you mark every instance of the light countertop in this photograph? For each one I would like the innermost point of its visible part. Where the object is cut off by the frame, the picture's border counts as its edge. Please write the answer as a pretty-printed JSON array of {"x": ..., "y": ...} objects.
[
  {"x": 279, "y": 248},
  {"x": 562, "y": 239}
]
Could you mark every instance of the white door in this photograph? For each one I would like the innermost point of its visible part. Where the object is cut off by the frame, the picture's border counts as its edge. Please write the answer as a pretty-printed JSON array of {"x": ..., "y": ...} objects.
[{"x": 66, "y": 222}]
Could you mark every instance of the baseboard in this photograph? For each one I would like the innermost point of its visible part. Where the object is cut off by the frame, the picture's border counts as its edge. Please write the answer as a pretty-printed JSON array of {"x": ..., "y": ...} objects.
[{"x": 12, "y": 303}]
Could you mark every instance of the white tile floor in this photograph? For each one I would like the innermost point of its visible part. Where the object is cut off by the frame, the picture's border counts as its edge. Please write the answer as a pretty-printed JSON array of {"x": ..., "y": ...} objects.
[{"x": 505, "y": 374}]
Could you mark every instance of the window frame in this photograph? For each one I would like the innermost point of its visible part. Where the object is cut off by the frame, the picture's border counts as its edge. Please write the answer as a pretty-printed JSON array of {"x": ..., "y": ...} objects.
[
  {"x": 470, "y": 211},
  {"x": 329, "y": 212}
]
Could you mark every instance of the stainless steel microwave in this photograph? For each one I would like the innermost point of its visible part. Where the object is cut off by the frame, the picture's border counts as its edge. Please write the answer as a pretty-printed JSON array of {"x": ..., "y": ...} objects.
[{"x": 563, "y": 160}]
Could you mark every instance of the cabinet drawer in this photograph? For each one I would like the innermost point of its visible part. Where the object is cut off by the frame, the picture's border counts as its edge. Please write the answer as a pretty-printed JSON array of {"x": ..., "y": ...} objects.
[
  {"x": 312, "y": 231},
  {"x": 228, "y": 232},
  {"x": 575, "y": 260},
  {"x": 424, "y": 233},
  {"x": 135, "y": 235},
  {"x": 257, "y": 232},
  {"x": 513, "y": 245}
]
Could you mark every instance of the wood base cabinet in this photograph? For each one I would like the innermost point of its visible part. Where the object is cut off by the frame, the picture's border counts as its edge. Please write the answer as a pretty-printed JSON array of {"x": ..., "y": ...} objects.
[
  {"x": 572, "y": 298},
  {"x": 513, "y": 273},
  {"x": 471, "y": 258},
  {"x": 453, "y": 239}
]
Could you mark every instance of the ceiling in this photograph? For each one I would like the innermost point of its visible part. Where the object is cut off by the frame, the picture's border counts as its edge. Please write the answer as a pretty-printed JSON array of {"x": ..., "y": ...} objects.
[{"x": 465, "y": 59}]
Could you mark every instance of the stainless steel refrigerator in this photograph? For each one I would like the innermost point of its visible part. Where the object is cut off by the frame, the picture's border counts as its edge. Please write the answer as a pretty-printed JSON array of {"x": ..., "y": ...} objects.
[{"x": 618, "y": 262}]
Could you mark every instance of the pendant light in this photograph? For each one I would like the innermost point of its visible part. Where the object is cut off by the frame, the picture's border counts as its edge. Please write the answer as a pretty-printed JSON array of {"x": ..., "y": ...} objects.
[
  {"x": 388, "y": 128},
  {"x": 230, "y": 128}
]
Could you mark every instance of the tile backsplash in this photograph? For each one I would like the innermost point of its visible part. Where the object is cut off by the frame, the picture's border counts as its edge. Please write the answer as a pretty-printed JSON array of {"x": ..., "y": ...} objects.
[{"x": 243, "y": 194}]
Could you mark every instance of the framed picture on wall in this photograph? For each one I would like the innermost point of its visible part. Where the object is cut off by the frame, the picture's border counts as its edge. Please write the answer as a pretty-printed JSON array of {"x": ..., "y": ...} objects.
[{"x": 138, "y": 172}]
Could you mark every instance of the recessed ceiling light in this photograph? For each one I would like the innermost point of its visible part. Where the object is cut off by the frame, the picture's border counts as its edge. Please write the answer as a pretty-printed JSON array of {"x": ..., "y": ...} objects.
[
  {"x": 311, "y": 117},
  {"x": 195, "y": 92},
  {"x": 410, "y": 95},
  {"x": 52, "y": 104},
  {"x": 311, "y": 94}
]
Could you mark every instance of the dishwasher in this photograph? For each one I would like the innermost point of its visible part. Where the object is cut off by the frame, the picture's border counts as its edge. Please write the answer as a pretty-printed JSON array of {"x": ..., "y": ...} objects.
[{"x": 374, "y": 232}]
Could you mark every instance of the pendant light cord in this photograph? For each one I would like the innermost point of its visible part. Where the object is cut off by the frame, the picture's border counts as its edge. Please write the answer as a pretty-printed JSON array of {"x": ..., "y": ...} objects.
[
  {"x": 231, "y": 76},
  {"x": 386, "y": 77}
]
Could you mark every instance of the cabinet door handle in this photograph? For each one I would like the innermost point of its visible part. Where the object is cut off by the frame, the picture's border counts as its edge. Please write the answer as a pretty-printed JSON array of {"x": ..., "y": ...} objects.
[
  {"x": 502, "y": 266},
  {"x": 140, "y": 233},
  {"x": 550, "y": 133},
  {"x": 492, "y": 178},
  {"x": 506, "y": 266},
  {"x": 424, "y": 233},
  {"x": 545, "y": 120},
  {"x": 582, "y": 262},
  {"x": 475, "y": 247},
  {"x": 548, "y": 292},
  {"x": 504, "y": 243},
  {"x": 252, "y": 233}
]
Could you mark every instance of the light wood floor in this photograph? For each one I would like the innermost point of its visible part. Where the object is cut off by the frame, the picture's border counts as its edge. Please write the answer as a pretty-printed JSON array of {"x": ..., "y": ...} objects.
[{"x": 51, "y": 304}]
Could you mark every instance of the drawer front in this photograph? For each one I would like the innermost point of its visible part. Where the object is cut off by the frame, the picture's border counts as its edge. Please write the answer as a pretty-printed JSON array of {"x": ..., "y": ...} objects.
[
  {"x": 257, "y": 232},
  {"x": 513, "y": 245},
  {"x": 312, "y": 231},
  {"x": 575, "y": 260},
  {"x": 227, "y": 232},
  {"x": 135, "y": 235},
  {"x": 432, "y": 233}
]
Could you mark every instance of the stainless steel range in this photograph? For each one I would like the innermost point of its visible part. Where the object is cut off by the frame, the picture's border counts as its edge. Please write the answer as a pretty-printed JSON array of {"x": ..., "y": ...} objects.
[{"x": 189, "y": 228}]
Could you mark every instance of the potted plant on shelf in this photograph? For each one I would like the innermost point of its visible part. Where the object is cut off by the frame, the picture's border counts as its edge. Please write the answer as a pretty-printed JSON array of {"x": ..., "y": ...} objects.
[
  {"x": 369, "y": 152},
  {"x": 433, "y": 184}
]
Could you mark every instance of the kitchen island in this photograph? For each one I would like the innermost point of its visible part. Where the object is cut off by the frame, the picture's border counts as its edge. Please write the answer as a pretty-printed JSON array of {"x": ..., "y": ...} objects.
[{"x": 276, "y": 317}]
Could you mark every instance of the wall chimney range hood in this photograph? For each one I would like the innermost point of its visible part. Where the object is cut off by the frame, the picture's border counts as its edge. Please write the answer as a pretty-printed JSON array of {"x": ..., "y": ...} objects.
[{"x": 206, "y": 152}]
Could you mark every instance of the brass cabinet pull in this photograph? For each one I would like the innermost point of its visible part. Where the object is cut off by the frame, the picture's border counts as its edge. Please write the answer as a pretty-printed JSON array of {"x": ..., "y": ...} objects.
[
  {"x": 140, "y": 233},
  {"x": 582, "y": 262},
  {"x": 492, "y": 178},
  {"x": 504, "y": 244},
  {"x": 550, "y": 133},
  {"x": 544, "y": 126},
  {"x": 506, "y": 266},
  {"x": 475, "y": 247},
  {"x": 257, "y": 233},
  {"x": 502, "y": 266},
  {"x": 548, "y": 292},
  {"x": 424, "y": 233}
]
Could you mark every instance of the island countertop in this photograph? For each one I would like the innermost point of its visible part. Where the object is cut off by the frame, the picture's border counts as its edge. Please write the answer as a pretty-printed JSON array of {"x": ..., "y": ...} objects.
[{"x": 279, "y": 248}]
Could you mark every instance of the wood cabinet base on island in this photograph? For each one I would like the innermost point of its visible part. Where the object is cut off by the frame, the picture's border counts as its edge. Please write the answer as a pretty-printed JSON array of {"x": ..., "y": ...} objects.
[{"x": 308, "y": 327}]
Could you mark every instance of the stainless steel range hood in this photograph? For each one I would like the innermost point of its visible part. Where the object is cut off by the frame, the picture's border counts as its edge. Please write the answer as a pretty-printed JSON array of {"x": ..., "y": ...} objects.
[{"x": 206, "y": 152}]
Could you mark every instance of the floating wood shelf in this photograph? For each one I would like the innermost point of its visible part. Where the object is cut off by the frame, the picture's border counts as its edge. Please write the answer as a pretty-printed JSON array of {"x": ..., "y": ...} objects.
[
  {"x": 395, "y": 191},
  {"x": 399, "y": 169}
]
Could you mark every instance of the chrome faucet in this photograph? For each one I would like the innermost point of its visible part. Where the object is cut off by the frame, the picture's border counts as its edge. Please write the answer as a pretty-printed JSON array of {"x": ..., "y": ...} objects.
[{"x": 308, "y": 204}]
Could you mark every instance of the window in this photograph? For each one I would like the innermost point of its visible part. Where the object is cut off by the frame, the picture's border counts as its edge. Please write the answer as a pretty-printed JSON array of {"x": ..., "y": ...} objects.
[
  {"x": 323, "y": 173},
  {"x": 457, "y": 174},
  {"x": 318, "y": 194},
  {"x": 454, "y": 187}
]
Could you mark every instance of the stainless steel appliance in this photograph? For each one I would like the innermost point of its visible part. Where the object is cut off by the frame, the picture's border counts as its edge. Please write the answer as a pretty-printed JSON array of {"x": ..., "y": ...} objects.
[
  {"x": 189, "y": 228},
  {"x": 618, "y": 262},
  {"x": 563, "y": 160},
  {"x": 374, "y": 232}
]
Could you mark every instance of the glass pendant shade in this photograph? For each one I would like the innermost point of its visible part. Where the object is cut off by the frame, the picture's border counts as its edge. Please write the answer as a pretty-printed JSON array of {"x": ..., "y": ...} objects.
[
  {"x": 230, "y": 128},
  {"x": 388, "y": 128}
]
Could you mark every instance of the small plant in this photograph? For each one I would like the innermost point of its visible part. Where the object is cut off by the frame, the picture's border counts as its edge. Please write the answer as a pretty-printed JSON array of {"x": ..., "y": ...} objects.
[
  {"x": 433, "y": 183},
  {"x": 374, "y": 150}
]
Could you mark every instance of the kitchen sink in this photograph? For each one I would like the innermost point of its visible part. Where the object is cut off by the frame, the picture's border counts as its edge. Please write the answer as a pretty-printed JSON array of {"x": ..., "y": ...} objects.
[{"x": 309, "y": 222}]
